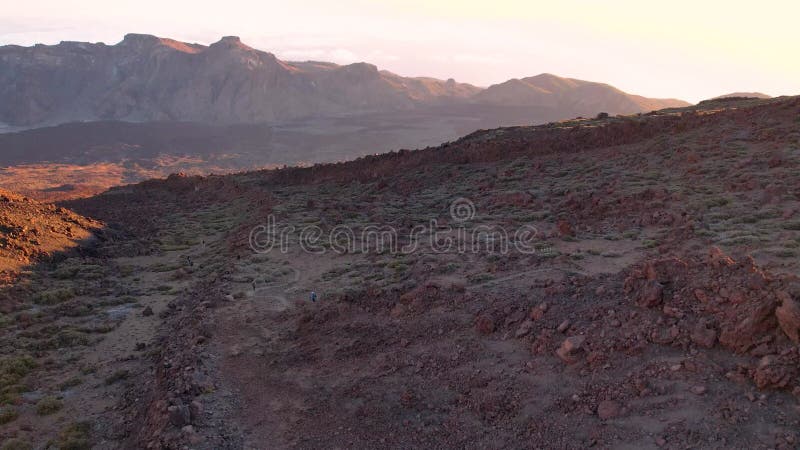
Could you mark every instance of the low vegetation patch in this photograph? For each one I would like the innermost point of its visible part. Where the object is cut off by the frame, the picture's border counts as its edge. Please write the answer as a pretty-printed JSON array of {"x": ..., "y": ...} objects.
[
  {"x": 7, "y": 414},
  {"x": 117, "y": 376},
  {"x": 16, "y": 444},
  {"x": 48, "y": 405},
  {"x": 12, "y": 370},
  {"x": 54, "y": 296},
  {"x": 75, "y": 436}
]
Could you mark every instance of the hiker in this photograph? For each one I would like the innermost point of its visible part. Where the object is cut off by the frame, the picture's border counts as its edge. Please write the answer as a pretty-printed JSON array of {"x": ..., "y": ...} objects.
[
  {"x": 254, "y": 285},
  {"x": 313, "y": 297},
  {"x": 189, "y": 260}
]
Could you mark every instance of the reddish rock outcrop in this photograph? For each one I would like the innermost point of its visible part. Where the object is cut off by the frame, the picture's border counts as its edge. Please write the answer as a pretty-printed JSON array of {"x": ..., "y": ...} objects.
[{"x": 788, "y": 315}]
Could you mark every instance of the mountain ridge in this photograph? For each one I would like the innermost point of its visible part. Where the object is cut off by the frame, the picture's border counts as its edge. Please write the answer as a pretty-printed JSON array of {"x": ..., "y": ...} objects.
[{"x": 150, "y": 78}]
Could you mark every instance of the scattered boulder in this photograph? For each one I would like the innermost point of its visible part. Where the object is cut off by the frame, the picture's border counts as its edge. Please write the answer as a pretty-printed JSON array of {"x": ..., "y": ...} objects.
[
  {"x": 651, "y": 294},
  {"x": 698, "y": 390},
  {"x": 600, "y": 290},
  {"x": 743, "y": 334},
  {"x": 608, "y": 409},
  {"x": 701, "y": 295},
  {"x": 565, "y": 229},
  {"x": 484, "y": 324},
  {"x": 773, "y": 372},
  {"x": 756, "y": 281},
  {"x": 704, "y": 334},
  {"x": 563, "y": 326},
  {"x": 524, "y": 328},
  {"x": 672, "y": 312},
  {"x": 196, "y": 411},
  {"x": 571, "y": 349},
  {"x": 179, "y": 415},
  {"x": 718, "y": 258},
  {"x": 398, "y": 311},
  {"x": 147, "y": 311},
  {"x": 537, "y": 312},
  {"x": 665, "y": 270},
  {"x": 191, "y": 435}
]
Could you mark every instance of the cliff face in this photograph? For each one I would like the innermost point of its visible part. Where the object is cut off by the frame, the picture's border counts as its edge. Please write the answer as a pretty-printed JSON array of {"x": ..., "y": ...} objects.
[{"x": 146, "y": 78}]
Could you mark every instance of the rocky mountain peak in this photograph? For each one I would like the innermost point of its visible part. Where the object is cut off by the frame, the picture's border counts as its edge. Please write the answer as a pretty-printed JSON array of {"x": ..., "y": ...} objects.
[{"x": 139, "y": 39}]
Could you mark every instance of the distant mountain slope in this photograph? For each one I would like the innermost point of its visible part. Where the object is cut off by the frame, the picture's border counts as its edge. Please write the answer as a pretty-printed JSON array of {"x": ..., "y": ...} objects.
[
  {"x": 743, "y": 95},
  {"x": 568, "y": 94},
  {"x": 147, "y": 78}
]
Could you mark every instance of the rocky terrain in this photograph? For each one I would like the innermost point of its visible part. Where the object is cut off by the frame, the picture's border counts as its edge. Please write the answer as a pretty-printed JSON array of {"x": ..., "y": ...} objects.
[
  {"x": 32, "y": 231},
  {"x": 655, "y": 304},
  {"x": 147, "y": 78}
]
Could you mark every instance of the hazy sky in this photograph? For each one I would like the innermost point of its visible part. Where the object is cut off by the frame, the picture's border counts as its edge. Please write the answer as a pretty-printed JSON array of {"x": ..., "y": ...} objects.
[{"x": 685, "y": 49}]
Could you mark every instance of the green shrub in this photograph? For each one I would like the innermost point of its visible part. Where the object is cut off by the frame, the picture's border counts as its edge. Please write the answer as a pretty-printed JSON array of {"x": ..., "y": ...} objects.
[
  {"x": 649, "y": 243},
  {"x": 117, "y": 376},
  {"x": 7, "y": 415},
  {"x": 448, "y": 268},
  {"x": 65, "y": 273},
  {"x": 63, "y": 339},
  {"x": 12, "y": 370},
  {"x": 794, "y": 226},
  {"x": 54, "y": 296},
  {"x": 48, "y": 405},
  {"x": 72, "y": 382},
  {"x": 74, "y": 437},
  {"x": 630, "y": 234},
  {"x": 479, "y": 277},
  {"x": 715, "y": 202},
  {"x": 16, "y": 444}
]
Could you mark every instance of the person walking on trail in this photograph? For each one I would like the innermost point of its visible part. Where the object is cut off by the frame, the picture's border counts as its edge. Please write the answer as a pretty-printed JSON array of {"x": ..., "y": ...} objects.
[{"x": 313, "y": 297}]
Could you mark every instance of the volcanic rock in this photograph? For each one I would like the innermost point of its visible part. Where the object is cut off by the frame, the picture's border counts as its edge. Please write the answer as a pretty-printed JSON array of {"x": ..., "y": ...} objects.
[
  {"x": 484, "y": 324},
  {"x": 608, "y": 409},
  {"x": 788, "y": 315},
  {"x": 704, "y": 335},
  {"x": 571, "y": 349}
]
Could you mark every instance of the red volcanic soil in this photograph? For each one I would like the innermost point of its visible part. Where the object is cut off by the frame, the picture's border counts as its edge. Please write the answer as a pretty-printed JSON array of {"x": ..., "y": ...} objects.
[{"x": 659, "y": 308}]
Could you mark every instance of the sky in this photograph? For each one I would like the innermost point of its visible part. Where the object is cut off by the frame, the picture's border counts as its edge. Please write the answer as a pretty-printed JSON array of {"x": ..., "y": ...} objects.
[{"x": 690, "y": 50}]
